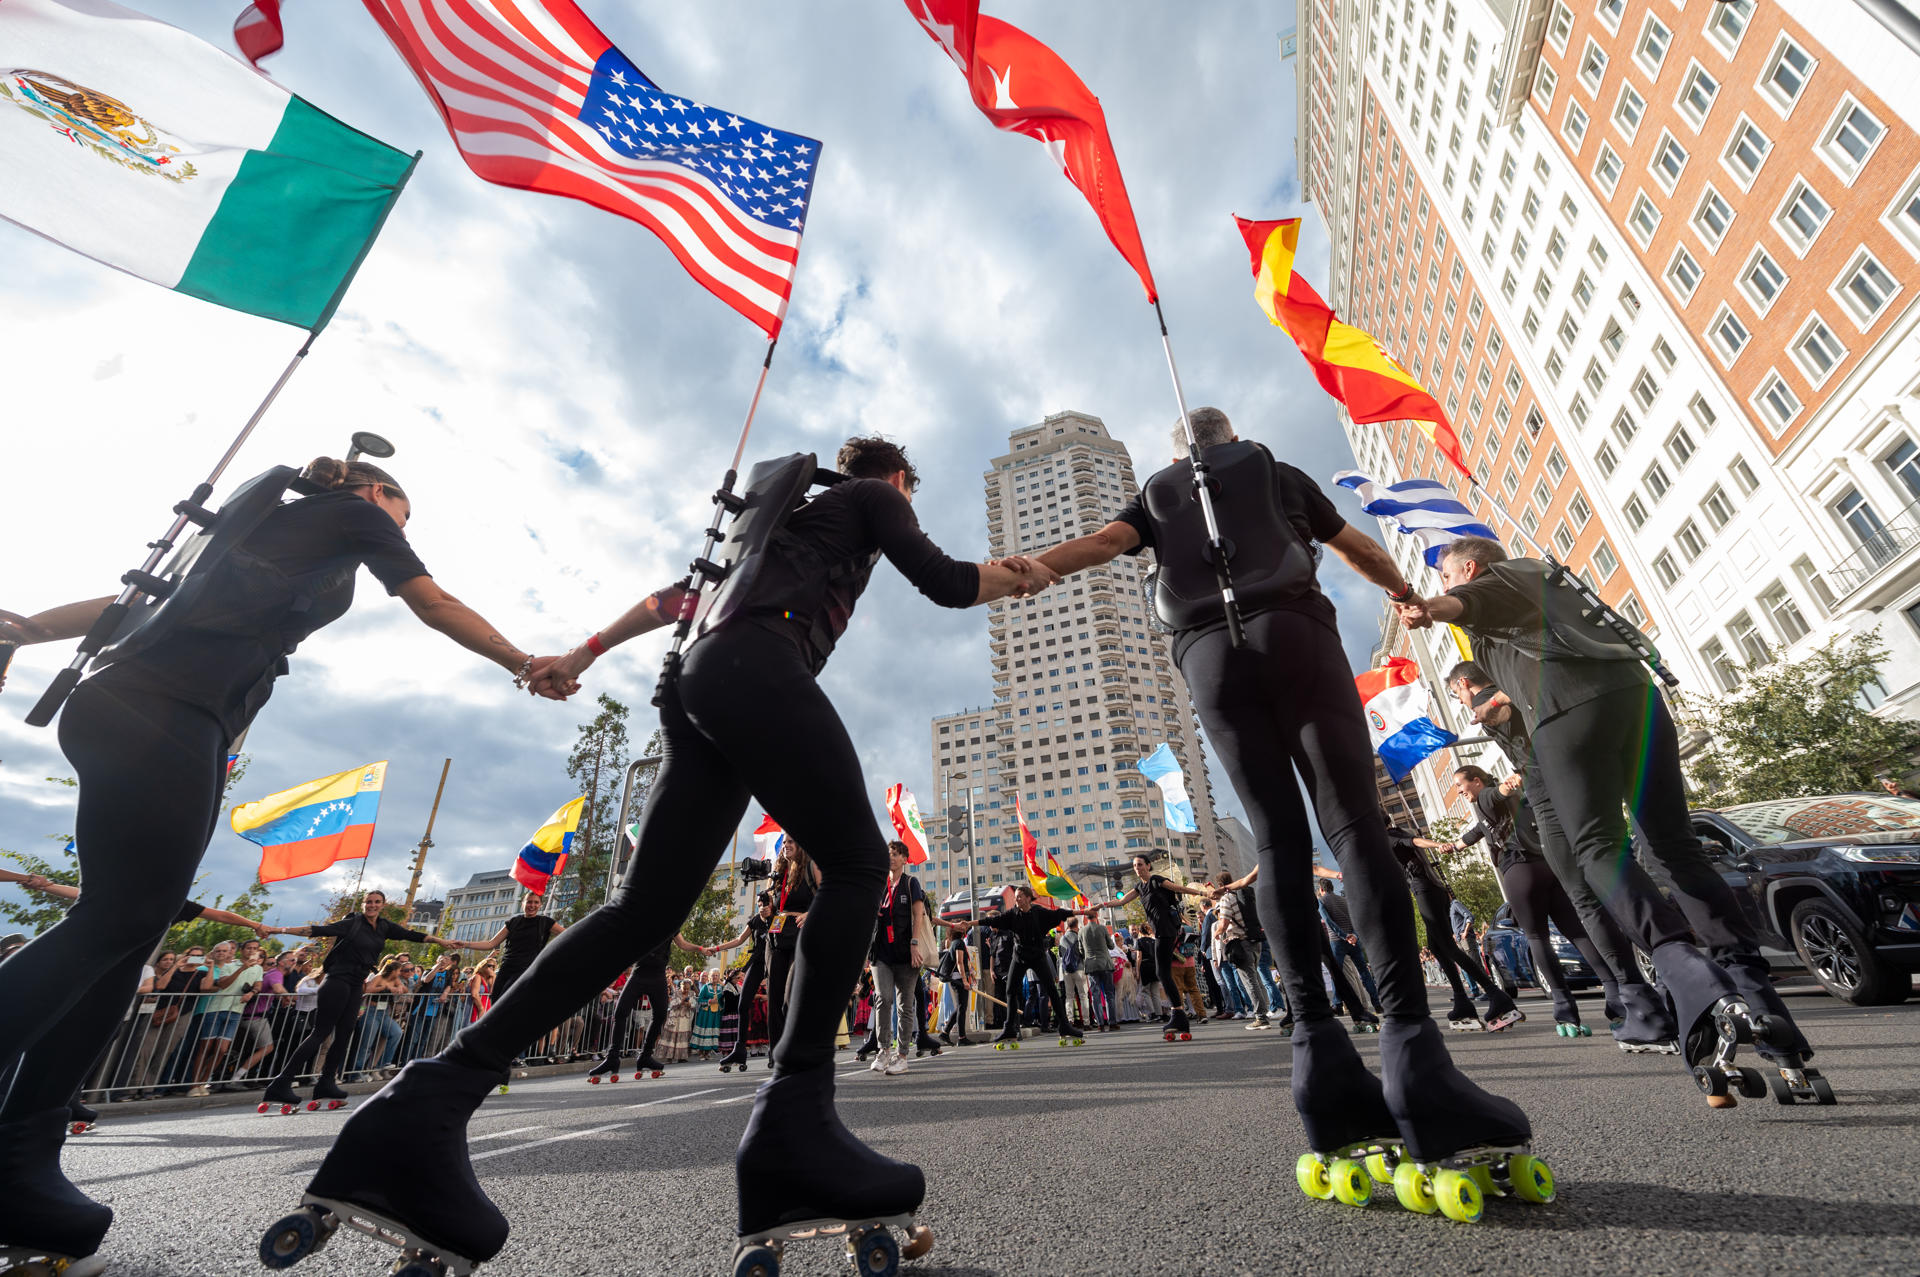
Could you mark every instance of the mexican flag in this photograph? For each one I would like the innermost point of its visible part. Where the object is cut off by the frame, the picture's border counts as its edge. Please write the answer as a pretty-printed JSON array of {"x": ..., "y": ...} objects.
[{"x": 154, "y": 152}]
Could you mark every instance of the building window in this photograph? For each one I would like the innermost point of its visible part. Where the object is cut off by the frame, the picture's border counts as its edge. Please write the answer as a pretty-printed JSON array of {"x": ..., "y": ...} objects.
[
  {"x": 1785, "y": 614},
  {"x": 1657, "y": 483},
  {"x": 1712, "y": 216},
  {"x": 1776, "y": 400},
  {"x": 1560, "y": 25},
  {"x": 1577, "y": 411},
  {"x": 1713, "y": 654},
  {"x": 1727, "y": 22},
  {"x": 1651, "y": 51},
  {"x": 1717, "y": 507},
  {"x": 1683, "y": 275},
  {"x": 1605, "y": 459},
  {"x": 1629, "y": 111},
  {"x": 1762, "y": 281},
  {"x": 1574, "y": 126},
  {"x": 1746, "y": 152},
  {"x": 1530, "y": 325},
  {"x": 1644, "y": 220},
  {"x": 1666, "y": 569},
  {"x": 1604, "y": 564},
  {"x": 1645, "y": 390},
  {"x": 1544, "y": 83},
  {"x": 1612, "y": 338},
  {"x": 1555, "y": 366},
  {"x": 1692, "y": 544},
  {"x": 1606, "y": 169},
  {"x": 1583, "y": 290},
  {"x": 1866, "y": 288},
  {"x": 1593, "y": 67},
  {"x": 1563, "y": 541},
  {"x": 1815, "y": 584},
  {"x": 1663, "y": 354},
  {"x": 1728, "y": 334},
  {"x": 1681, "y": 447},
  {"x": 1669, "y": 161},
  {"x": 1818, "y": 351},
  {"x": 1851, "y": 138},
  {"x": 1579, "y": 513},
  {"x": 1624, "y": 428},
  {"x": 1595, "y": 377},
  {"x": 1802, "y": 216},
  {"x": 1569, "y": 331},
  {"x": 1556, "y": 249},
  {"x": 1696, "y": 95},
  {"x": 1636, "y": 511},
  {"x": 1786, "y": 74},
  {"x": 1904, "y": 462},
  {"x": 1743, "y": 477},
  {"x": 1703, "y": 412}
]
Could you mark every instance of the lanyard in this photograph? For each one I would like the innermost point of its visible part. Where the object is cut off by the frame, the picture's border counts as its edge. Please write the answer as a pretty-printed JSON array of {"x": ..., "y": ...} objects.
[{"x": 886, "y": 906}]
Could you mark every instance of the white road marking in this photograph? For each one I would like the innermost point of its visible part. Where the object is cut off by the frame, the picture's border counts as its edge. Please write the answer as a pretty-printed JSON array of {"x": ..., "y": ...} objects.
[
  {"x": 551, "y": 1139},
  {"x": 668, "y": 1099},
  {"x": 500, "y": 1135},
  {"x": 735, "y": 1099}
]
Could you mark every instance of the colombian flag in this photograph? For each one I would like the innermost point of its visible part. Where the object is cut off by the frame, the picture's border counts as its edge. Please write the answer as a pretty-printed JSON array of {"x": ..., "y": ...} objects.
[
  {"x": 544, "y": 858},
  {"x": 1350, "y": 364},
  {"x": 305, "y": 829}
]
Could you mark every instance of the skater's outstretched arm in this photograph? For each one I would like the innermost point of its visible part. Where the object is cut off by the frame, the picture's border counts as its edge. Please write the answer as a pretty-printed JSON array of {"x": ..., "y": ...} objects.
[
  {"x": 439, "y": 610},
  {"x": 658, "y": 610},
  {"x": 46, "y": 886},
  {"x": 68, "y": 621},
  {"x": 1081, "y": 553}
]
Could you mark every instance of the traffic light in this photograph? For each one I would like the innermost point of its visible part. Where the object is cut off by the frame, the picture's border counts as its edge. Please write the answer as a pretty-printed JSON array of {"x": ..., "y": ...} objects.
[{"x": 959, "y": 834}]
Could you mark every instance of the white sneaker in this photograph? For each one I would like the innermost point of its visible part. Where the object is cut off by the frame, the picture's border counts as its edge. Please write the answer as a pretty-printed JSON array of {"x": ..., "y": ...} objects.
[
  {"x": 896, "y": 1065},
  {"x": 880, "y": 1058}
]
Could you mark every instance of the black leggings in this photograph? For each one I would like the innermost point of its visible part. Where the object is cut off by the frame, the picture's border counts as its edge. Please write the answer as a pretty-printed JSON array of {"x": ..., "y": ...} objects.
[
  {"x": 744, "y": 720},
  {"x": 1049, "y": 989},
  {"x": 780, "y": 963},
  {"x": 1286, "y": 702},
  {"x": 1537, "y": 900},
  {"x": 334, "y": 1009},
  {"x": 651, "y": 985},
  {"x": 1609, "y": 943},
  {"x": 151, "y": 772},
  {"x": 1435, "y": 911},
  {"x": 1165, "y": 947},
  {"x": 750, "y": 985}
]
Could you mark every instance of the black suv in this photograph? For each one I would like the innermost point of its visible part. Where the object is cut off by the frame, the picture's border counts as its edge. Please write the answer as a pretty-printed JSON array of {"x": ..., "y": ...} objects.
[{"x": 1833, "y": 880}]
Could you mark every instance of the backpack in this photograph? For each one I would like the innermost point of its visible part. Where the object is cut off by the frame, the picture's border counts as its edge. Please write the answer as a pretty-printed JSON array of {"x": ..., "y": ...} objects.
[
  {"x": 1250, "y": 916},
  {"x": 947, "y": 970},
  {"x": 1270, "y": 564}
]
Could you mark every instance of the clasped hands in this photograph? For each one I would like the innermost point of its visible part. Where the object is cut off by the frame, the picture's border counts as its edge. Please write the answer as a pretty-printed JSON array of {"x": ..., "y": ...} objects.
[{"x": 1035, "y": 575}]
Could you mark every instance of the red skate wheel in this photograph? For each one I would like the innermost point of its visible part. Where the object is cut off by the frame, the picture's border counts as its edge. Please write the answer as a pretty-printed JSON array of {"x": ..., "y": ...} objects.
[
  {"x": 263, "y": 1108},
  {"x": 594, "y": 1080}
]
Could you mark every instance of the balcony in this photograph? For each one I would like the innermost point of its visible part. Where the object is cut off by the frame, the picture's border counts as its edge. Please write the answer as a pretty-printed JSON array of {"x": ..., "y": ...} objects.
[{"x": 1884, "y": 567}]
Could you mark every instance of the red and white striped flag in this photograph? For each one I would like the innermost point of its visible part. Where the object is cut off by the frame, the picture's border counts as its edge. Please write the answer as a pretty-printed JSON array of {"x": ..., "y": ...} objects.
[
  {"x": 536, "y": 97},
  {"x": 257, "y": 31}
]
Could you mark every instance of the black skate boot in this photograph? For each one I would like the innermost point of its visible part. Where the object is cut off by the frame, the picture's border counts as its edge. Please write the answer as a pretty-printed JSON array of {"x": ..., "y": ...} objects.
[
  {"x": 1178, "y": 1030},
  {"x": 327, "y": 1095},
  {"x": 1714, "y": 1019},
  {"x": 81, "y": 1119},
  {"x": 43, "y": 1217},
  {"x": 925, "y": 1045},
  {"x": 280, "y": 1098},
  {"x": 647, "y": 1064},
  {"x": 801, "y": 1173},
  {"x": 1616, "y": 1009},
  {"x": 1502, "y": 1013},
  {"x": 1566, "y": 1017},
  {"x": 1365, "y": 1021},
  {"x": 1072, "y": 1034},
  {"x": 1776, "y": 1038},
  {"x": 1008, "y": 1039},
  {"x": 608, "y": 1070},
  {"x": 366, "y": 1186},
  {"x": 1462, "y": 1143},
  {"x": 1465, "y": 1017},
  {"x": 869, "y": 1048},
  {"x": 1353, "y": 1137},
  {"x": 1646, "y": 1025},
  {"x": 736, "y": 1058}
]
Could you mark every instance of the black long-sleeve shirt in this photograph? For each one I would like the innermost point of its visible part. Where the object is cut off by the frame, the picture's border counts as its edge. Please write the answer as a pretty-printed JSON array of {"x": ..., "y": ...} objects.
[
  {"x": 1029, "y": 929},
  {"x": 358, "y": 943}
]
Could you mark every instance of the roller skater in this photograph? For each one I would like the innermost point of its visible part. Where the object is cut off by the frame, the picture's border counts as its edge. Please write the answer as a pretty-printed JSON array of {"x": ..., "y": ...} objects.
[
  {"x": 1285, "y": 697},
  {"x": 524, "y": 937},
  {"x": 81, "y": 1118},
  {"x": 742, "y": 717},
  {"x": 1345, "y": 995},
  {"x": 1159, "y": 896},
  {"x": 758, "y": 928},
  {"x": 1434, "y": 899},
  {"x": 327, "y": 1095},
  {"x": 648, "y": 980},
  {"x": 1606, "y": 745},
  {"x": 1029, "y": 925},
  {"x": 280, "y": 1097},
  {"x": 44, "y": 1219}
]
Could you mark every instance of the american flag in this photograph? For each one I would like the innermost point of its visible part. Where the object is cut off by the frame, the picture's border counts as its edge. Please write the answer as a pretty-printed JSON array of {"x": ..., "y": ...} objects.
[{"x": 537, "y": 98}]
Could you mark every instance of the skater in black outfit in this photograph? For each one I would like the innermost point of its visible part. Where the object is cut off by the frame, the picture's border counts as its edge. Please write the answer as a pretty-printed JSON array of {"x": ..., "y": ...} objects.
[
  {"x": 648, "y": 980},
  {"x": 1029, "y": 925},
  {"x": 1160, "y": 897},
  {"x": 359, "y": 941},
  {"x": 743, "y": 719},
  {"x": 1607, "y": 747},
  {"x": 1284, "y": 701},
  {"x": 524, "y": 937},
  {"x": 147, "y": 736},
  {"x": 758, "y": 928},
  {"x": 1435, "y": 901},
  {"x": 794, "y": 885},
  {"x": 1344, "y": 994}
]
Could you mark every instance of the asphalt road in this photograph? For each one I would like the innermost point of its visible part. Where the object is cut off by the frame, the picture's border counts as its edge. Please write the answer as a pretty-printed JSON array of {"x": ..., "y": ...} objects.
[{"x": 1125, "y": 1156}]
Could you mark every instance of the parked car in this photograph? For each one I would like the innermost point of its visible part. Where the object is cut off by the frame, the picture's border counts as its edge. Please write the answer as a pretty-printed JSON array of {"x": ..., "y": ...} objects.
[
  {"x": 1830, "y": 883},
  {"x": 1509, "y": 959}
]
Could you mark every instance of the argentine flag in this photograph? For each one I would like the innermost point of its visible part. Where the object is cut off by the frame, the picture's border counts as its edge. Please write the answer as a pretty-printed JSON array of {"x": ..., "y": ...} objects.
[
  {"x": 1396, "y": 706},
  {"x": 1422, "y": 508},
  {"x": 1163, "y": 769}
]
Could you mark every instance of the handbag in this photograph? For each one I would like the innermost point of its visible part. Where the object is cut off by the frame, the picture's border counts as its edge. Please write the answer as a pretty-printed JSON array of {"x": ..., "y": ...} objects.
[{"x": 924, "y": 941}]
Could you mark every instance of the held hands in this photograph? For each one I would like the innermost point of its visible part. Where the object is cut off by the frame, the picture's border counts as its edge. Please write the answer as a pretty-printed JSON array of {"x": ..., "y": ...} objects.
[
  {"x": 17, "y": 629},
  {"x": 1037, "y": 575},
  {"x": 1414, "y": 614},
  {"x": 558, "y": 677},
  {"x": 1511, "y": 784}
]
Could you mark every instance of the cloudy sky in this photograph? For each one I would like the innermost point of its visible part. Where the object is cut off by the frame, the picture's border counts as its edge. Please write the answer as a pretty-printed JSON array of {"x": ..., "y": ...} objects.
[{"x": 563, "y": 396}]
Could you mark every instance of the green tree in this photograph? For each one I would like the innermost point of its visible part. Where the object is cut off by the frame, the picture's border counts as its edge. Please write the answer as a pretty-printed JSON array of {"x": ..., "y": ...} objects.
[
  {"x": 1798, "y": 728},
  {"x": 712, "y": 918},
  {"x": 251, "y": 903},
  {"x": 38, "y": 911},
  {"x": 599, "y": 763}
]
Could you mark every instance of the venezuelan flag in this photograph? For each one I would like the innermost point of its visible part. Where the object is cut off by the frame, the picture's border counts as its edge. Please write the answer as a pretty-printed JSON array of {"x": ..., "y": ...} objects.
[
  {"x": 544, "y": 858},
  {"x": 1350, "y": 364},
  {"x": 305, "y": 829}
]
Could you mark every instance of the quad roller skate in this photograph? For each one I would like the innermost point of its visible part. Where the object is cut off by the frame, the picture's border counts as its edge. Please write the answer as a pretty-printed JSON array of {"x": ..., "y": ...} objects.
[
  {"x": 81, "y": 1119},
  {"x": 1178, "y": 1030},
  {"x": 1073, "y": 1035},
  {"x": 1646, "y": 1025},
  {"x": 1776, "y": 1038},
  {"x": 327, "y": 1095},
  {"x": 47, "y": 1226},
  {"x": 1362, "y": 1023},
  {"x": 280, "y": 1098},
  {"x": 1009, "y": 1039},
  {"x": 1465, "y": 1018},
  {"x": 646, "y": 1065},
  {"x": 1715, "y": 1020},
  {"x": 1459, "y": 1144},
  {"x": 735, "y": 1059},
  {"x": 802, "y": 1175},
  {"x": 608, "y": 1070},
  {"x": 1349, "y": 1126},
  {"x": 925, "y": 1045},
  {"x": 1566, "y": 1017},
  {"x": 442, "y": 1224},
  {"x": 868, "y": 1049}
]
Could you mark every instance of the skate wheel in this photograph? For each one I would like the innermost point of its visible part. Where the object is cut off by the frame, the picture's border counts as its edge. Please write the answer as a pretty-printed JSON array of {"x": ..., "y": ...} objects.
[
  {"x": 313, "y": 1106},
  {"x": 1380, "y": 1167},
  {"x": 263, "y": 1108},
  {"x": 291, "y": 1240},
  {"x": 756, "y": 1261},
  {"x": 1459, "y": 1196},
  {"x": 659, "y": 1072},
  {"x": 1413, "y": 1190},
  {"x": 1186, "y": 1037},
  {"x": 1781, "y": 1088},
  {"x": 874, "y": 1253},
  {"x": 1753, "y": 1084},
  {"x": 1169, "y": 1037},
  {"x": 1713, "y": 1086},
  {"x": 1822, "y": 1089},
  {"x": 1531, "y": 1177},
  {"x": 919, "y": 1242},
  {"x": 594, "y": 1080},
  {"x": 1315, "y": 1180},
  {"x": 418, "y": 1268},
  {"x": 1079, "y": 1041},
  {"x": 1351, "y": 1183}
]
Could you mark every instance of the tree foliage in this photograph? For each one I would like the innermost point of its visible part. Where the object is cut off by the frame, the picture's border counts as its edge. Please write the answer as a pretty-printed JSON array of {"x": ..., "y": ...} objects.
[
  {"x": 712, "y": 918},
  {"x": 1798, "y": 728},
  {"x": 599, "y": 763}
]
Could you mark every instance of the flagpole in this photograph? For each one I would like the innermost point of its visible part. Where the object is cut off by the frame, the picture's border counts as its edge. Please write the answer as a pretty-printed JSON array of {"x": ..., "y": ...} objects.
[{"x": 1235, "y": 635}]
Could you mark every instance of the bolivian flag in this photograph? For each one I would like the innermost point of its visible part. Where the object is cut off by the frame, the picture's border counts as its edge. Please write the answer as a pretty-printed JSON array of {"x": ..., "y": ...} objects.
[
  {"x": 1049, "y": 882},
  {"x": 1350, "y": 364},
  {"x": 305, "y": 829}
]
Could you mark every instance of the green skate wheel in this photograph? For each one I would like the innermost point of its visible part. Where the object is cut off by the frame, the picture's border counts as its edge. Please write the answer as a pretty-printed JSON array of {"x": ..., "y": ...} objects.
[
  {"x": 1413, "y": 1190},
  {"x": 1380, "y": 1167},
  {"x": 1532, "y": 1178},
  {"x": 1482, "y": 1174},
  {"x": 1312, "y": 1176},
  {"x": 1459, "y": 1196},
  {"x": 1351, "y": 1184}
]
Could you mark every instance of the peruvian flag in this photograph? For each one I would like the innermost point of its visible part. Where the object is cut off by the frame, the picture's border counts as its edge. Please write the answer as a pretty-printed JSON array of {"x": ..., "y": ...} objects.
[
  {"x": 1396, "y": 706},
  {"x": 767, "y": 838},
  {"x": 1025, "y": 87},
  {"x": 905, "y": 814}
]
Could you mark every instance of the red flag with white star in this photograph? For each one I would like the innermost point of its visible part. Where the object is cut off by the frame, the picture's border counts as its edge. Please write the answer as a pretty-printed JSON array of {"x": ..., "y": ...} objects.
[{"x": 1025, "y": 87}]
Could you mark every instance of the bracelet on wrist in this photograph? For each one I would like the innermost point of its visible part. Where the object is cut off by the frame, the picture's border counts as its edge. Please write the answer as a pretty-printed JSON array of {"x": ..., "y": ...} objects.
[
  {"x": 1406, "y": 595},
  {"x": 595, "y": 646},
  {"x": 524, "y": 673}
]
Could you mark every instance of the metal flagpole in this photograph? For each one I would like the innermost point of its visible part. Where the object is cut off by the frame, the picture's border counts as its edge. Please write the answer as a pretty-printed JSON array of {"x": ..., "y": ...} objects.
[{"x": 1215, "y": 542}]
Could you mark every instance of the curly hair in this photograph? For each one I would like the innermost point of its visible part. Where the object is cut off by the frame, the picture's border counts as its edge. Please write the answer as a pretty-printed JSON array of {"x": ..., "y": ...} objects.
[{"x": 872, "y": 457}]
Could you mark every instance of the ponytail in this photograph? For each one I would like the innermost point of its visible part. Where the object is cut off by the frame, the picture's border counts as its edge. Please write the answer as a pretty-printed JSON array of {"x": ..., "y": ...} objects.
[{"x": 330, "y": 472}]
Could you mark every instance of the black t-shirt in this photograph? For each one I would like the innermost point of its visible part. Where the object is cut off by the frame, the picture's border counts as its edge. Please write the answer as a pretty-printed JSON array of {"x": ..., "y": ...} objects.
[
  {"x": 1493, "y": 610},
  {"x": 526, "y": 937},
  {"x": 758, "y": 927},
  {"x": 1421, "y": 874},
  {"x": 357, "y": 944},
  {"x": 848, "y": 523},
  {"x": 1162, "y": 904},
  {"x": 1500, "y": 824},
  {"x": 1314, "y": 518},
  {"x": 188, "y": 912},
  {"x": 653, "y": 963},
  {"x": 893, "y": 934},
  {"x": 1028, "y": 930},
  {"x": 230, "y": 675},
  {"x": 798, "y": 899}
]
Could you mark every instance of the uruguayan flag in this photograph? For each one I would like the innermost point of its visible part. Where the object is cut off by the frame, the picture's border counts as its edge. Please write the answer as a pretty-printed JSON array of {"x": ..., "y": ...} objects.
[
  {"x": 1163, "y": 769},
  {"x": 1421, "y": 508}
]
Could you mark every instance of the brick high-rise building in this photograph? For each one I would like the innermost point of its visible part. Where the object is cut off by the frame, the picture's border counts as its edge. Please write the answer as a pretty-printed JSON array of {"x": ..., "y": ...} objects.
[
  {"x": 1084, "y": 687},
  {"x": 1659, "y": 262}
]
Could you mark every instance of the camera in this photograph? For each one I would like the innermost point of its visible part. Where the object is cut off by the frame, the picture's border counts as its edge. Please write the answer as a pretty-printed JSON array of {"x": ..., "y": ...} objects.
[{"x": 752, "y": 870}]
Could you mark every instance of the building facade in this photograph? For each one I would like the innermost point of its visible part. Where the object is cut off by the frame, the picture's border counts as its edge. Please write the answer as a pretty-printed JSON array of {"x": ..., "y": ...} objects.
[
  {"x": 1084, "y": 687},
  {"x": 1659, "y": 262},
  {"x": 480, "y": 908}
]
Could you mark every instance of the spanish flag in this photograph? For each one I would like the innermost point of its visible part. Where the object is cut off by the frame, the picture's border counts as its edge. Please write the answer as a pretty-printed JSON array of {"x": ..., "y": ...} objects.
[
  {"x": 305, "y": 829},
  {"x": 1351, "y": 365}
]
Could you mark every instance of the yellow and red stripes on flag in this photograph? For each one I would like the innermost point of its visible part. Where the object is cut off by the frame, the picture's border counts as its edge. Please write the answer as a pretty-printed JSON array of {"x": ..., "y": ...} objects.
[{"x": 1350, "y": 365}]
